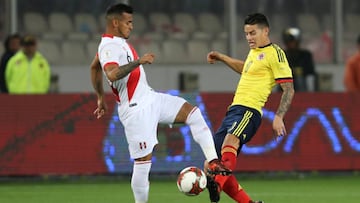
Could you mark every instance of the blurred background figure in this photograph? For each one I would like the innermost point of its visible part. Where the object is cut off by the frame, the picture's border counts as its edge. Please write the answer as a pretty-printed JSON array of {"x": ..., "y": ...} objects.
[
  {"x": 11, "y": 45},
  {"x": 28, "y": 72},
  {"x": 352, "y": 71},
  {"x": 300, "y": 61}
]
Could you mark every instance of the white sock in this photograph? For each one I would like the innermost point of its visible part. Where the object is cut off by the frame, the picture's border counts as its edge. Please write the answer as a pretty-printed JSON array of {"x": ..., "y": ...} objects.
[
  {"x": 201, "y": 133},
  {"x": 140, "y": 181}
]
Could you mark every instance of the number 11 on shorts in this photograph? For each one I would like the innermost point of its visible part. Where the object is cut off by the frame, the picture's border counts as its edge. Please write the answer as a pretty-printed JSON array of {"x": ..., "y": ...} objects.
[{"x": 142, "y": 145}]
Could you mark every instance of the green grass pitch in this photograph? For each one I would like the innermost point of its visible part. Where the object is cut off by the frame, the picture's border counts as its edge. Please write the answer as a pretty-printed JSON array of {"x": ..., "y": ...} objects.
[{"x": 329, "y": 189}]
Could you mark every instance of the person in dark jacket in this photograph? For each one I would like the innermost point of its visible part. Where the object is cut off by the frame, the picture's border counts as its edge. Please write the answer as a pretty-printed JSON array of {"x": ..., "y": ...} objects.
[
  {"x": 12, "y": 44},
  {"x": 300, "y": 60}
]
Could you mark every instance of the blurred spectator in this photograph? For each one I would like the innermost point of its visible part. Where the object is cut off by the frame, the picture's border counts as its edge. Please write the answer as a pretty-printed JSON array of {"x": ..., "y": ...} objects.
[
  {"x": 300, "y": 60},
  {"x": 11, "y": 45},
  {"x": 28, "y": 72},
  {"x": 352, "y": 71}
]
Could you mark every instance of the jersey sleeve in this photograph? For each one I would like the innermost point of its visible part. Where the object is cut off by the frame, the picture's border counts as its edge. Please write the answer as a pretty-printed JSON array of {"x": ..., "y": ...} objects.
[
  {"x": 110, "y": 54},
  {"x": 280, "y": 66}
]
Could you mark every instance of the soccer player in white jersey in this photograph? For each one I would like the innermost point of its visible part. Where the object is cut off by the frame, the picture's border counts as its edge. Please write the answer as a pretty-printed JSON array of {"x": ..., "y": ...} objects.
[{"x": 140, "y": 108}]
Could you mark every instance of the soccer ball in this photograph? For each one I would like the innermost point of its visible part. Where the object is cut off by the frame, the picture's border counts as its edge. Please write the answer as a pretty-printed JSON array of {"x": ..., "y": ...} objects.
[{"x": 191, "y": 181}]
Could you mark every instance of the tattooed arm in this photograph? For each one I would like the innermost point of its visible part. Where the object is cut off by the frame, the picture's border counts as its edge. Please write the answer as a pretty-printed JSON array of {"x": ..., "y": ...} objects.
[
  {"x": 115, "y": 72},
  {"x": 285, "y": 102}
]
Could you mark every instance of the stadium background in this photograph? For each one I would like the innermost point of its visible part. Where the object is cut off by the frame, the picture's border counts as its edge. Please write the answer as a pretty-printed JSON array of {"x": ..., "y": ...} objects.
[
  {"x": 180, "y": 32},
  {"x": 56, "y": 135}
]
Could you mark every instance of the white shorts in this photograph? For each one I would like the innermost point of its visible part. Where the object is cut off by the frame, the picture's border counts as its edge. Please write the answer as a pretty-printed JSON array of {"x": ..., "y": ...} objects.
[{"x": 141, "y": 125}]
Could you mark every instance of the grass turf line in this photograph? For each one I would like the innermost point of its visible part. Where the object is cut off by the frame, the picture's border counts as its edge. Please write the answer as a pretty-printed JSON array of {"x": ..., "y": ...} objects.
[{"x": 319, "y": 190}]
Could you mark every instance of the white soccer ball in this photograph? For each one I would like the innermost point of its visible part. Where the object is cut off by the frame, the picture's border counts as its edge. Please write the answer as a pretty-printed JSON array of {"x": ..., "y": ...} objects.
[{"x": 191, "y": 181}]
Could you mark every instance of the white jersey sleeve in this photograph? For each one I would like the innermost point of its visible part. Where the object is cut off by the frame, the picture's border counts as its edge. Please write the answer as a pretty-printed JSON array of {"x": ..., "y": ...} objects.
[
  {"x": 131, "y": 90},
  {"x": 110, "y": 53}
]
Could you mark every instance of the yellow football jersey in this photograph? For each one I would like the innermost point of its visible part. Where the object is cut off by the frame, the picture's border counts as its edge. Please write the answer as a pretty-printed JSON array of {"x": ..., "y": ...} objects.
[{"x": 263, "y": 68}]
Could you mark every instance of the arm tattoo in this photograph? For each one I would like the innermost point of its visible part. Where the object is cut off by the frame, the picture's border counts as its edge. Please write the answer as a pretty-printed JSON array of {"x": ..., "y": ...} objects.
[
  {"x": 122, "y": 71},
  {"x": 286, "y": 98}
]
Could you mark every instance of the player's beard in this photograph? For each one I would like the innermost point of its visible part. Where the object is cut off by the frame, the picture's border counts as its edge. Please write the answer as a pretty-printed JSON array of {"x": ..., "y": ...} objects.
[{"x": 127, "y": 36}]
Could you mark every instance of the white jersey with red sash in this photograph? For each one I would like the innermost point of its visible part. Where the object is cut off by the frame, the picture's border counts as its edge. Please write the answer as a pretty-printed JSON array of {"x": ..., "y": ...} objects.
[
  {"x": 140, "y": 108},
  {"x": 133, "y": 89}
]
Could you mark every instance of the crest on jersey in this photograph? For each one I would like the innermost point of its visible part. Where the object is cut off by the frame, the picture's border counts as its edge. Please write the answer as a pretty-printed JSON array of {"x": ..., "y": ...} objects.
[
  {"x": 106, "y": 54},
  {"x": 261, "y": 56}
]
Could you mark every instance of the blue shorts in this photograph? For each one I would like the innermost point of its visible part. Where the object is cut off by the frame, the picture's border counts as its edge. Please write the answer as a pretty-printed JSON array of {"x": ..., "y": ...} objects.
[{"x": 240, "y": 121}]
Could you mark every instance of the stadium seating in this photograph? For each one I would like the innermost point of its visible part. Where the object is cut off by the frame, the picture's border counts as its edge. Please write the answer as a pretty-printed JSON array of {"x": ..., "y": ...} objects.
[
  {"x": 77, "y": 36},
  {"x": 74, "y": 53},
  {"x": 219, "y": 45},
  {"x": 2, "y": 49},
  {"x": 140, "y": 24},
  {"x": 37, "y": 28},
  {"x": 201, "y": 35},
  {"x": 60, "y": 22},
  {"x": 348, "y": 49},
  {"x": 174, "y": 52},
  {"x": 197, "y": 51},
  {"x": 327, "y": 22},
  {"x": 85, "y": 22},
  {"x": 278, "y": 23},
  {"x": 101, "y": 22},
  {"x": 185, "y": 22},
  {"x": 91, "y": 49},
  {"x": 352, "y": 29},
  {"x": 350, "y": 22},
  {"x": 242, "y": 49},
  {"x": 154, "y": 36},
  {"x": 54, "y": 36},
  {"x": 309, "y": 24},
  {"x": 209, "y": 23},
  {"x": 182, "y": 36},
  {"x": 160, "y": 22},
  {"x": 168, "y": 34},
  {"x": 153, "y": 47},
  {"x": 51, "y": 50}
]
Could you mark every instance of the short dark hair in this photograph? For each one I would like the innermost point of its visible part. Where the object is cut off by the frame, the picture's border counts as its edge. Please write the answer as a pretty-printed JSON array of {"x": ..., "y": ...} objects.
[
  {"x": 28, "y": 40},
  {"x": 9, "y": 38},
  {"x": 256, "y": 18},
  {"x": 119, "y": 9}
]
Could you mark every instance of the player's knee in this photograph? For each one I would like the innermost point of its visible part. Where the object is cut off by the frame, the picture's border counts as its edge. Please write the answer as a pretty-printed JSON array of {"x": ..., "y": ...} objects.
[
  {"x": 144, "y": 158},
  {"x": 197, "y": 123},
  {"x": 184, "y": 112},
  {"x": 194, "y": 116},
  {"x": 231, "y": 140}
]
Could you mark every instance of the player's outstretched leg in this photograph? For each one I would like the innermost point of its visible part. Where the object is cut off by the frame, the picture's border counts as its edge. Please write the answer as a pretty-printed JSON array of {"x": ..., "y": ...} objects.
[
  {"x": 213, "y": 189},
  {"x": 202, "y": 135},
  {"x": 216, "y": 167},
  {"x": 231, "y": 188},
  {"x": 236, "y": 192}
]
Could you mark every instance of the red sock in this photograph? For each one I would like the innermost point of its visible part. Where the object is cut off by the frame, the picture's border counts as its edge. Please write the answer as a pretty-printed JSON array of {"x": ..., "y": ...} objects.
[
  {"x": 229, "y": 159},
  {"x": 234, "y": 190}
]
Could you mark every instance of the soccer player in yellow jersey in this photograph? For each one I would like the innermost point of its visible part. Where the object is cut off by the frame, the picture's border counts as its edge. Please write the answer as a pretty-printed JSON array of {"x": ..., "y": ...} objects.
[{"x": 265, "y": 66}]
